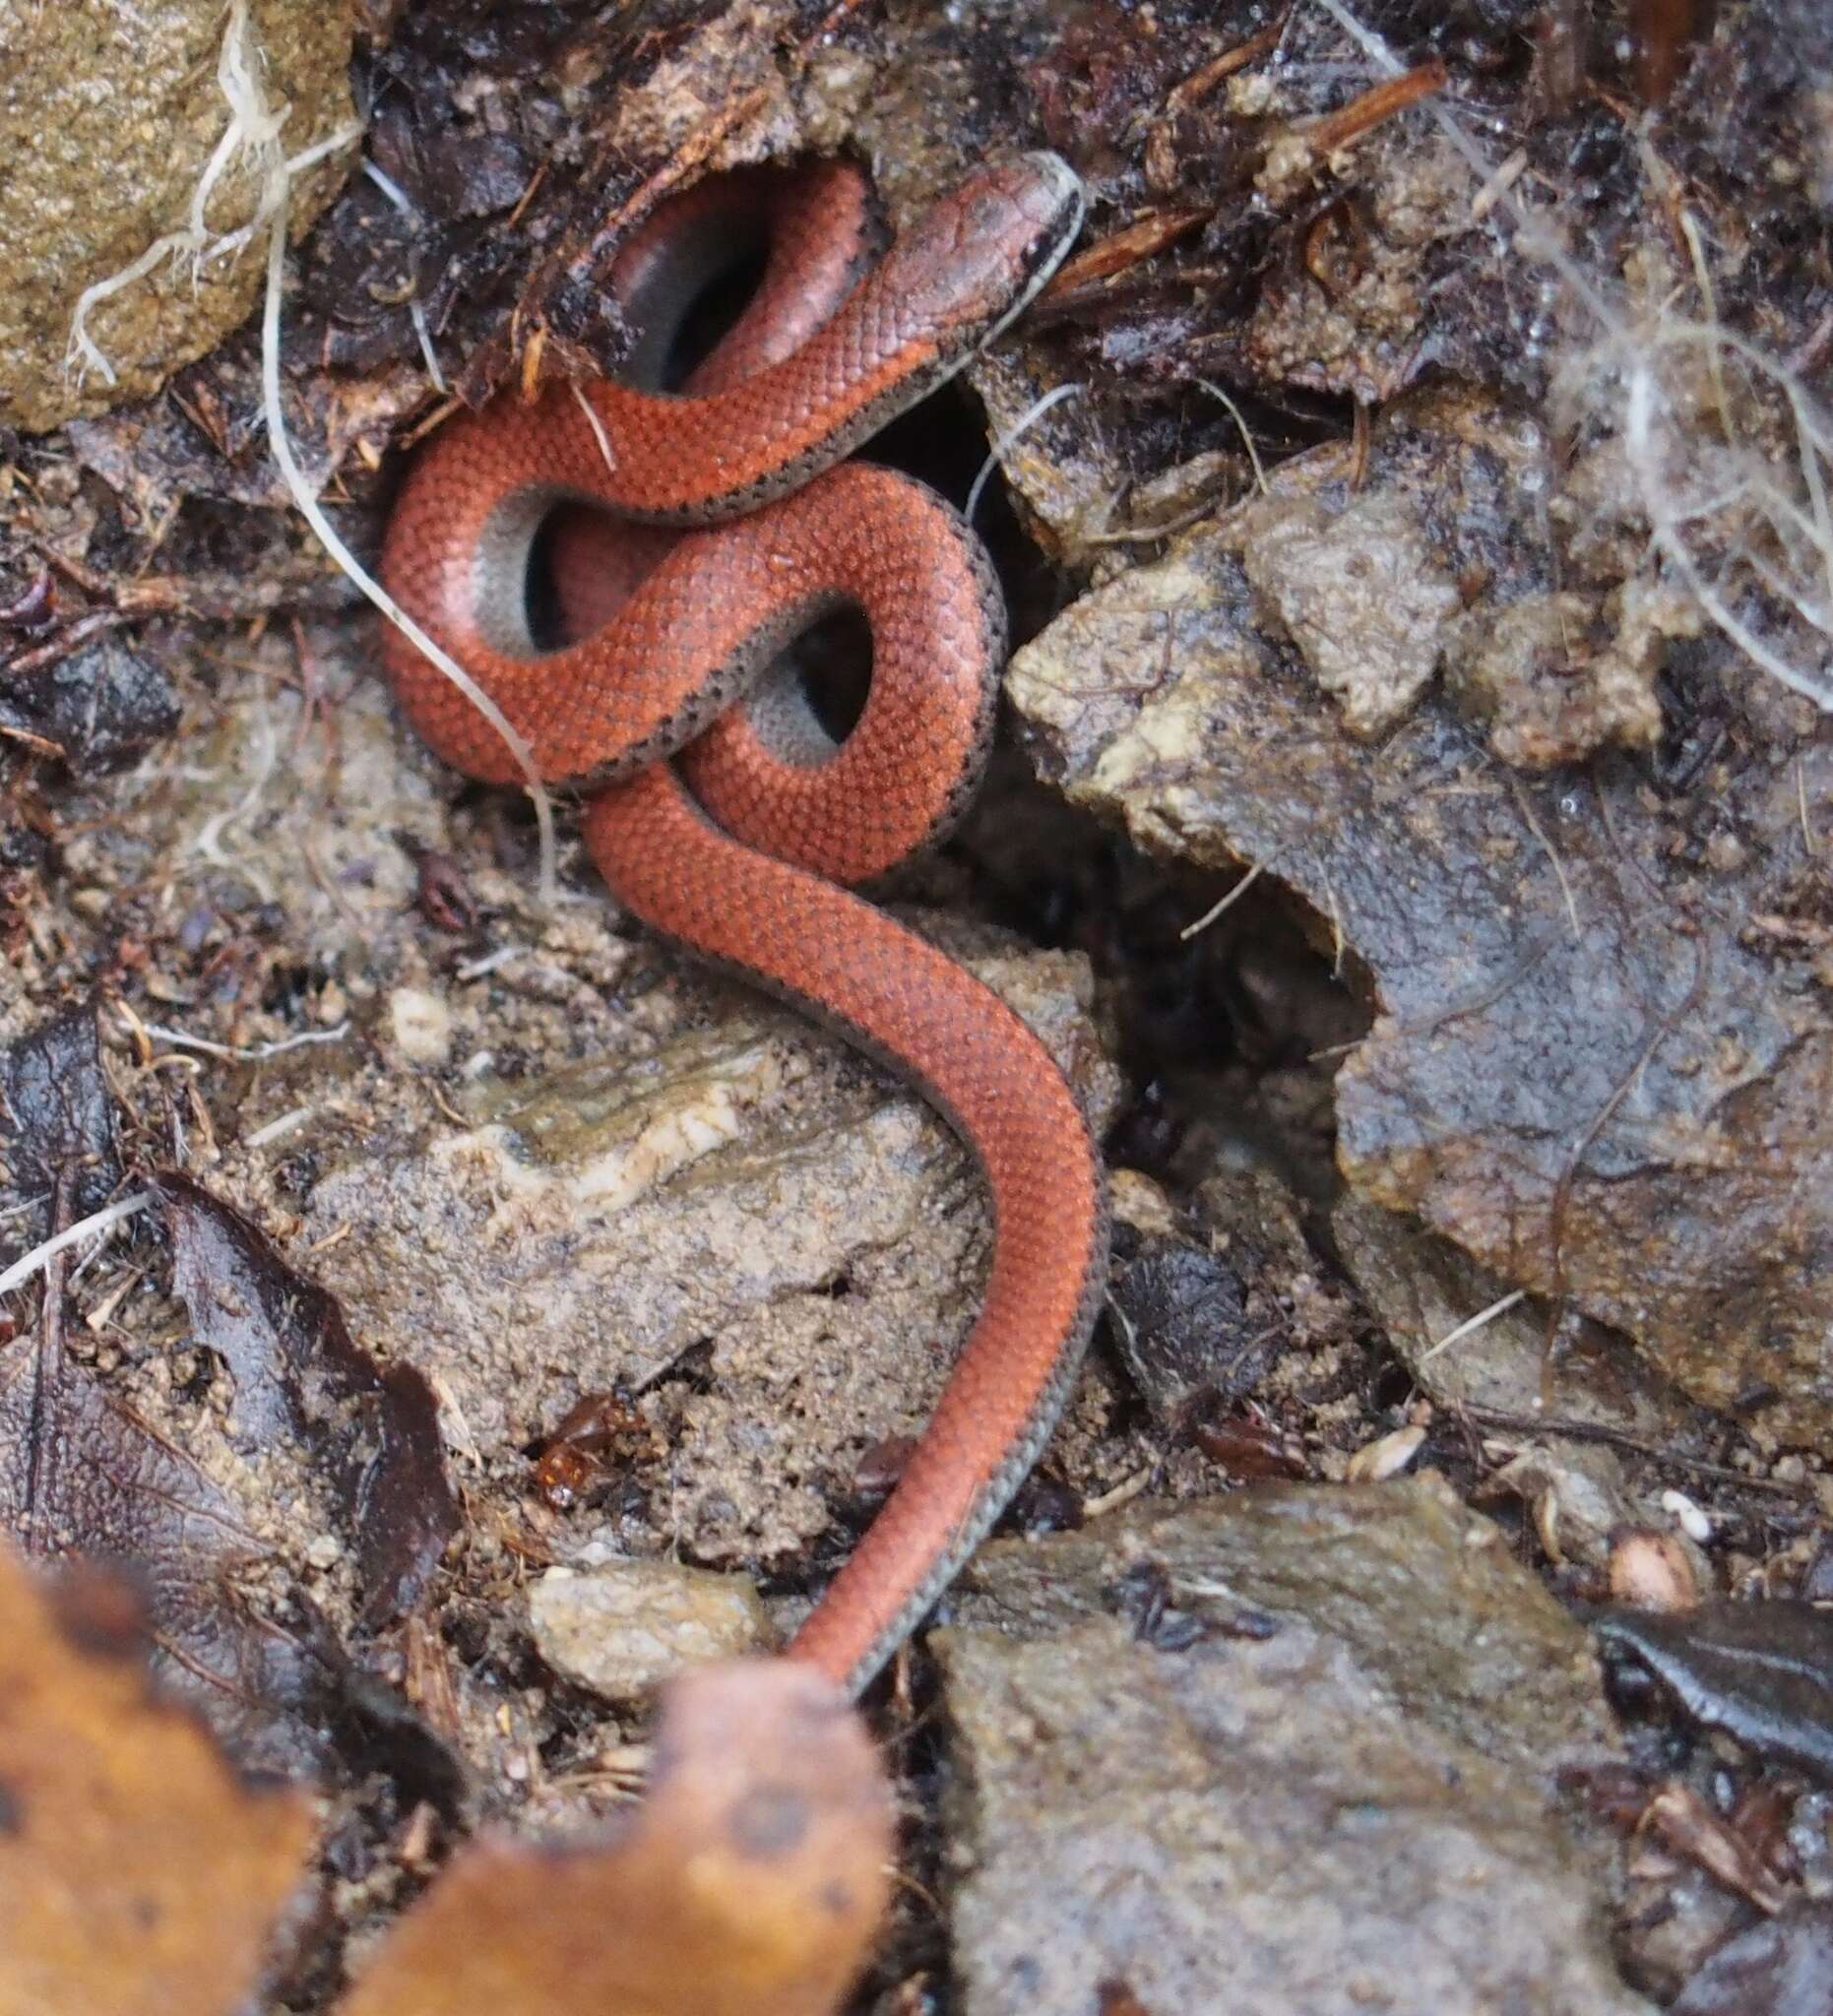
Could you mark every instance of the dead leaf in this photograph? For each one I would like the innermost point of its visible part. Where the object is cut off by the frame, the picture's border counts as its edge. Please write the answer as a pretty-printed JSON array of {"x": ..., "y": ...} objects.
[
  {"x": 373, "y": 1435},
  {"x": 1187, "y": 1334},
  {"x": 749, "y": 1883},
  {"x": 137, "y": 1874},
  {"x": 102, "y": 704},
  {"x": 81, "y": 1473},
  {"x": 1681, "y": 1817},
  {"x": 55, "y": 1115}
]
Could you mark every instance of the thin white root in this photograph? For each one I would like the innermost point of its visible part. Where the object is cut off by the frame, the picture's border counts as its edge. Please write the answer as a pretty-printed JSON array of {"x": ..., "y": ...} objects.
[
  {"x": 1243, "y": 428},
  {"x": 1026, "y": 420},
  {"x": 253, "y": 131},
  {"x": 416, "y": 309},
  {"x": 1634, "y": 387},
  {"x": 110, "y": 1215},
  {"x": 606, "y": 453},
  {"x": 313, "y": 513},
  {"x": 248, "y": 1053}
]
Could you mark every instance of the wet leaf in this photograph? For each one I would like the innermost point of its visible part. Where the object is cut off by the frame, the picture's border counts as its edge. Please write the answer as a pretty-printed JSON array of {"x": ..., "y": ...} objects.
[
  {"x": 81, "y": 1473},
  {"x": 137, "y": 1876},
  {"x": 102, "y": 705},
  {"x": 1761, "y": 1672},
  {"x": 747, "y": 1884},
  {"x": 298, "y": 1374},
  {"x": 1783, "y": 1967},
  {"x": 56, "y": 1115}
]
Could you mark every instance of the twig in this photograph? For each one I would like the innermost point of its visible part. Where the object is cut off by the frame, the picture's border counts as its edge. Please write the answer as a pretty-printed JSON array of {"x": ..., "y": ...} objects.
[
  {"x": 1233, "y": 896},
  {"x": 1616, "y": 1438},
  {"x": 1336, "y": 129},
  {"x": 1526, "y": 809}
]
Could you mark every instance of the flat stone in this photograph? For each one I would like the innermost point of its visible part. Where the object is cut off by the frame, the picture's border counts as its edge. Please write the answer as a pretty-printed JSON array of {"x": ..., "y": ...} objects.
[
  {"x": 624, "y": 1628},
  {"x": 1320, "y": 1781}
]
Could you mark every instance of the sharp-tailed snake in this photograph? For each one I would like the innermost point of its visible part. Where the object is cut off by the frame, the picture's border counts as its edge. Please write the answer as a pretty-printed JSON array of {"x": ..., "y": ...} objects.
[{"x": 681, "y": 638}]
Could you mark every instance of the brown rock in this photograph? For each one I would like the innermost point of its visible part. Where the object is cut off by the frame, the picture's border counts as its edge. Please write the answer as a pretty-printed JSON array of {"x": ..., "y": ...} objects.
[
  {"x": 109, "y": 120},
  {"x": 1584, "y": 1068}
]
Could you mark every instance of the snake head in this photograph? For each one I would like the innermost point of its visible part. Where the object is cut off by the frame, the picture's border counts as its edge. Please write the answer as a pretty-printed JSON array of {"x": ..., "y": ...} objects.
[{"x": 974, "y": 260}]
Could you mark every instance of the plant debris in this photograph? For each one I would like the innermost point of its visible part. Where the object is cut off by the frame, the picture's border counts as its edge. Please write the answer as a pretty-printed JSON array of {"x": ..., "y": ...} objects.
[
  {"x": 56, "y": 1126},
  {"x": 99, "y": 708},
  {"x": 1412, "y": 521},
  {"x": 297, "y": 1372},
  {"x": 82, "y": 1475},
  {"x": 138, "y": 1876},
  {"x": 749, "y": 1883}
]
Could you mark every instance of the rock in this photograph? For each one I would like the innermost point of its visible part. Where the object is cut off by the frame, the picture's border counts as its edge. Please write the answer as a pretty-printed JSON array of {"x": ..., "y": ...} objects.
[
  {"x": 1499, "y": 1375},
  {"x": 110, "y": 118},
  {"x": 1424, "y": 1290},
  {"x": 1588, "y": 1067},
  {"x": 749, "y": 1193},
  {"x": 1319, "y": 1781},
  {"x": 1551, "y": 693},
  {"x": 1777, "y": 1967},
  {"x": 422, "y": 1023},
  {"x": 1424, "y": 1588},
  {"x": 1363, "y": 595},
  {"x": 624, "y": 1628}
]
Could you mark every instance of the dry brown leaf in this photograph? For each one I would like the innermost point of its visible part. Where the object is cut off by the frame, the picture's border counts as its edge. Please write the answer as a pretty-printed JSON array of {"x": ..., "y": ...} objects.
[
  {"x": 138, "y": 1876},
  {"x": 749, "y": 1883}
]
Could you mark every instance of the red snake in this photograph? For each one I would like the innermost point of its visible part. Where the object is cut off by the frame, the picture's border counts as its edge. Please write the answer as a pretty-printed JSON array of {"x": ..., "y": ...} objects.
[{"x": 681, "y": 638}]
